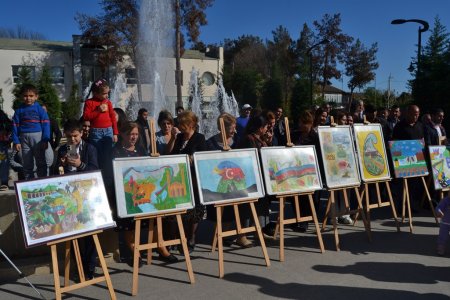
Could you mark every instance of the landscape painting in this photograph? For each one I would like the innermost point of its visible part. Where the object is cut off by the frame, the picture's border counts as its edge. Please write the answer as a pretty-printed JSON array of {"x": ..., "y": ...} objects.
[
  {"x": 338, "y": 154},
  {"x": 371, "y": 152},
  {"x": 152, "y": 185},
  {"x": 440, "y": 166},
  {"x": 62, "y": 206},
  {"x": 290, "y": 170},
  {"x": 228, "y": 175},
  {"x": 408, "y": 158}
]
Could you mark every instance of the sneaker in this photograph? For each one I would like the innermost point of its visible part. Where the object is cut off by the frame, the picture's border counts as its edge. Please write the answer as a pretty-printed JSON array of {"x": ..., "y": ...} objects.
[
  {"x": 244, "y": 242},
  {"x": 4, "y": 188},
  {"x": 440, "y": 250},
  {"x": 345, "y": 220}
]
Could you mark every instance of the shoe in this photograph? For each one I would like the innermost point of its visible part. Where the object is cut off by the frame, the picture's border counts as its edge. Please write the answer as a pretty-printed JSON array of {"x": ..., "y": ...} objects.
[
  {"x": 3, "y": 188},
  {"x": 168, "y": 259},
  {"x": 269, "y": 230},
  {"x": 345, "y": 220},
  {"x": 244, "y": 242},
  {"x": 300, "y": 227},
  {"x": 130, "y": 262},
  {"x": 440, "y": 250}
]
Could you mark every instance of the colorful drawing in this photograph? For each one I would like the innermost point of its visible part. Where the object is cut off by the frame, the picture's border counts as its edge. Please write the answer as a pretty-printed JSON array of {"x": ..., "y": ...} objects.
[
  {"x": 440, "y": 166},
  {"x": 148, "y": 185},
  {"x": 408, "y": 158},
  {"x": 290, "y": 170},
  {"x": 230, "y": 175},
  {"x": 59, "y": 207},
  {"x": 338, "y": 156},
  {"x": 371, "y": 152}
]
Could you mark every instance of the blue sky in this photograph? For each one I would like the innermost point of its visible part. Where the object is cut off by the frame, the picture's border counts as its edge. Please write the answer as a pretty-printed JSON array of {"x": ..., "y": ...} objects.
[{"x": 367, "y": 20}]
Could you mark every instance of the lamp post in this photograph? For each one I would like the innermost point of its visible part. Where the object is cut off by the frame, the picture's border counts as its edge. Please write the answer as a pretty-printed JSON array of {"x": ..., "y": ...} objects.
[
  {"x": 309, "y": 53},
  {"x": 425, "y": 27}
]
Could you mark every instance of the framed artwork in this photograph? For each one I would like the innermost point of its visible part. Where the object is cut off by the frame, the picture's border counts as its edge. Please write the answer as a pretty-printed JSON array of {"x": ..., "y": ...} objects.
[
  {"x": 371, "y": 152},
  {"x": 290, "y": 170},
  {"x": 152, "y": 185},
  {"x": 408, "y": 158},
  {"x": 338, "y": 154},
  {"x": 440, "y": 166},
  {"x": 58, "y": 207},
  {"x": 225, "y": 176}
]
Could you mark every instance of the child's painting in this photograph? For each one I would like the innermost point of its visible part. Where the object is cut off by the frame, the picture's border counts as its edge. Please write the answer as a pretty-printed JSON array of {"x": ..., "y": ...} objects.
[
  {"x": 440, "y": 166},
  {"x": 228, "y": 175},
  {"x": 371, "y": 152},
  {"x": 290, "y": 170},
  {"x": 408, "y": 158},
  {"x": 338, "y": 156},
  {"x": 62, "y": 206},
  {"x": 152, "y": 185}
]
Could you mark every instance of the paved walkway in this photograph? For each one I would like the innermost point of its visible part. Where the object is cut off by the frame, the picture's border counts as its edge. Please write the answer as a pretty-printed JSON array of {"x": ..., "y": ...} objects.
[{"x": 394, "y": 266}]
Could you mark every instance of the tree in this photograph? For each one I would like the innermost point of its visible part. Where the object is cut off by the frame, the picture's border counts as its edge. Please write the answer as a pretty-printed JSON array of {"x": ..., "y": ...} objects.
[
  {"x": 48, "y": 94},
  {"x": 21, "y": 33},
  {"x": 71, "y": 109},
  {"x": 24, "y": 76},
  {"x": 360, "y": 64}
]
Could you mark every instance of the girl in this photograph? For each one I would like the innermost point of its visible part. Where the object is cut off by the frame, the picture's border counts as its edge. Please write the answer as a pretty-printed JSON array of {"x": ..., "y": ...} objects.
[{"x": 167, "y": 133}]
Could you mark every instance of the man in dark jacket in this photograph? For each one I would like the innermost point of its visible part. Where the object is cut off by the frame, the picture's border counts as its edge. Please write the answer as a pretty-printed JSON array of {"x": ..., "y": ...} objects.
[
  {"x": 410, "y": 128},
  {"x": 434, "y": 131}
]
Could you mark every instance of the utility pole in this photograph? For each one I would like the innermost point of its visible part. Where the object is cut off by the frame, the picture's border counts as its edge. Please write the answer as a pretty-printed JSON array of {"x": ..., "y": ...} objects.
[{"x": 389, "y": 91}]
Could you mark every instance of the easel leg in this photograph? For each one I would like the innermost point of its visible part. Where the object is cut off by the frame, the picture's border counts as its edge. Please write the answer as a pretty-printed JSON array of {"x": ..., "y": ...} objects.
[
  {"x": 214, "y": 242},
  {"x": 394, "y": 212},
  {"x": 408, "y": 203},
  {"x": 327, "y": 212},
  {"x": 67, "y": 264},
  {"x": 185, "y": 249},
  {"x": 281, "y": 222},
  {"x": 151, "y": 228},
  {"x": 316, "y": 223},
  {"x": 405, "y": 188},
  {"x": 104, "y": 267},
  {"x": 260, "y": 235},
  {"x": 363, "y": 217},
  {"x": 219, "y": 240},
  {"x": 76, "y": 250},
  {"x": 56, "y": 272},
  {"x": 427, "y": 192},
  {"x": 333, "y": 220},
  {"x": 367, "y": 208},
  {"x": 137, "y": 238}
]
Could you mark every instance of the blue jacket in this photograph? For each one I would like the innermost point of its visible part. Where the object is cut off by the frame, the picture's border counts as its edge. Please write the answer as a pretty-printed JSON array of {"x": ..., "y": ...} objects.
[{"x": 30, "y": 118}]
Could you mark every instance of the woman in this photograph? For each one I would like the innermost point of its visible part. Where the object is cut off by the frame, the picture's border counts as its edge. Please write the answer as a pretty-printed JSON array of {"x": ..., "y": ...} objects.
[
  {"x": 189, "y": 141},
  {"x": 167, "y": 132},
  {"x": 216, "y": 142},
  {"x": 121, "y": 117},
  {"x": 128, "y": 147},
  {"x": 340, "y": 118},
  {"x": 320, "y": 118}
]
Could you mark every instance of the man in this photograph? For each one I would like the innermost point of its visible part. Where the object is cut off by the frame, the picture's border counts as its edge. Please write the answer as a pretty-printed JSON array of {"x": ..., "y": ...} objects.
[
  {"x": 434, "y": 131},
  {"x": 372, "y": 116},
  {"x": 144, "y": 130},
  {"x": 410, "y": 128},
  {"x": 242, "y": 120},
  {"x": 394, "y": 116},
  {"x": 358, "y": 113},
  {"x": 279, "y": 129}
]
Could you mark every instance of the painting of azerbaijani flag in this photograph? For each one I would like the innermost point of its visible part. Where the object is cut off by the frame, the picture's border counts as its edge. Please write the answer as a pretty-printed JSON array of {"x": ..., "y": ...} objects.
[
  {"x": 228, "y": 175},
  {"x": 408, "y": 158},
  {"x": 290, "y": 170},
  {"x": 440, "y": 166},
  {"x": 152, "y": 185}
]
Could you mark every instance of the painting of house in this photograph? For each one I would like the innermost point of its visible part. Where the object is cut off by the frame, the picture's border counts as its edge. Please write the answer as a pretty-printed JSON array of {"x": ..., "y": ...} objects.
[{"x": 408, "y": 158}]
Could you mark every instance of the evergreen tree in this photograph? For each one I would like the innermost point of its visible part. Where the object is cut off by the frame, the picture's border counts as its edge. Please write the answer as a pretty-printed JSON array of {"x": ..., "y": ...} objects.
[
  {"x": 48, "y": 95},
  {"x": 71, "y": 109},
  {"x": 24, "y": 76}
]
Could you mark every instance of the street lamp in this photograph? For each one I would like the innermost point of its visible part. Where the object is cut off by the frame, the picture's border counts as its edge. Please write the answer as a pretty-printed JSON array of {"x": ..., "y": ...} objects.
[
  {"x": 309, "y": 53},
  {"x": 421, "y": 29}
]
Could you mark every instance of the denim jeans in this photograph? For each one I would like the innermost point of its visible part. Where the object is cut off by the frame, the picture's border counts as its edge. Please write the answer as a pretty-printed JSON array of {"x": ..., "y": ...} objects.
[
  {"x": 4, "y": 165},
  {"x": 102, "y": 139}
]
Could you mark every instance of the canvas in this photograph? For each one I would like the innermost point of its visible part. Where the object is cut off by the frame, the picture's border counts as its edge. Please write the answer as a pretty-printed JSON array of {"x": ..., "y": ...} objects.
[
  {"x": 440, "y": 166},
  {"x": 228, "y": 175},
  {"x": 152, "y": 185},
  {"x": 290, "y": 170},
  {"x": 58, "y": 207},
  {"x": 408, "y": 158},
  {"x": 373, "y": 163},
  {"x": 338, "y": 154}
]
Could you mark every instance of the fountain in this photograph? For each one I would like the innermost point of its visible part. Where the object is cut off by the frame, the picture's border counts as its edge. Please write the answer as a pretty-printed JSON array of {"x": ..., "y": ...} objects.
[{"x": 117, "y": 93}]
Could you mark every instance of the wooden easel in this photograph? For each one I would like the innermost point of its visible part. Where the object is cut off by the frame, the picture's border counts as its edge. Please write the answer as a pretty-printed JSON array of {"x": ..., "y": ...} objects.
[
  {"x": 298, "y": 218},
  {"x": 160, "y": 243},
  {"x": 219, "y": 234},
  {"x": 83, "y": 282}
]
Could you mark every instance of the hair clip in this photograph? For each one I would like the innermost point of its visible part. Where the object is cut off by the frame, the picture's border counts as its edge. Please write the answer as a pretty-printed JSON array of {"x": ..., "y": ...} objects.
[{"x": 99, "y": 82}]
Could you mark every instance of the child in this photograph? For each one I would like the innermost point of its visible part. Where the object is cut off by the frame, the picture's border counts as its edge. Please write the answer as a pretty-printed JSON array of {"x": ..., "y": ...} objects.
[
  {"x": 31, "y": 133},
  {"x": 99, "y": 111},
  {"x": 443, "y": 211},
  {"x": 5, "y": 143},
  {"x": 78, "y": 156}
]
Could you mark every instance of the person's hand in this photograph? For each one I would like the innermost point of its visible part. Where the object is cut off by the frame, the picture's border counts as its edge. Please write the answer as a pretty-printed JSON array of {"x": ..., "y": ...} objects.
[
  {"x": 103, "y": 107},
  {"x": 63, "y": 160},
  {"x": 439, "y": 214},
  {"x": 115, "y": 139},
  {"x": 18, "y": 147},
  {"x": 73, "y": 160},
  {"x": 175, "y": 131}
]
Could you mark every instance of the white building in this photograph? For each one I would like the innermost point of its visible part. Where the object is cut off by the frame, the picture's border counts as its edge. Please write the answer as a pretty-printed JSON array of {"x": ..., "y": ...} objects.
[{"x": 75, "y": 62}]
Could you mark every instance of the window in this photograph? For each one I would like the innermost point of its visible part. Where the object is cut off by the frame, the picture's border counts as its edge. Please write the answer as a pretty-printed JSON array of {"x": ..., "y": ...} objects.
[
  {"x": 181, "y": 75},
  {"x": 57, "y": 74},
  {"x": 208, "y": 78},
  {"x": 16, "y": 72},
  {"x": 89, "y": 74},
  {"x": 131, "y": 75}
]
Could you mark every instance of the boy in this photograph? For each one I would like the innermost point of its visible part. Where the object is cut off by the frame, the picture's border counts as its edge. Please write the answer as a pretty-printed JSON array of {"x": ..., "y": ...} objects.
[
  {"x": 78, "y": 156},
  {"x": 31, "y": 133}
]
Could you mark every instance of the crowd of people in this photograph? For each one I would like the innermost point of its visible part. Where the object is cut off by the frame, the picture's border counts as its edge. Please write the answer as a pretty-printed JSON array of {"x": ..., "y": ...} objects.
[{"x": 36, "y": 149}]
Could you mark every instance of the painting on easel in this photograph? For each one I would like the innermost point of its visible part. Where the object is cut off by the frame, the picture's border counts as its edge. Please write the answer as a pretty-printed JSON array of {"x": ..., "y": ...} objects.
[
  {"x": 408, "y": 158},
  {"x": 62, "y": 206},
  {"x": 225, "y": 176},
  {"x": 338, "y": 156},
  {"x": 290, "y": 170},
  {"x": 371, "y": 152},
  {"x": 440, "y": 166},
  {"x": 151, "y": 185}
]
